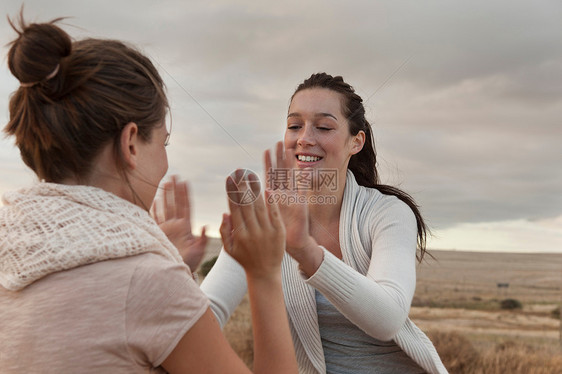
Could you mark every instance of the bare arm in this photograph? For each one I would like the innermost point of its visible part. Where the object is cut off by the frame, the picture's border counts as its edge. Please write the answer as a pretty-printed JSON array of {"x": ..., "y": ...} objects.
[
  {"x": 204, "y": 349},
  {"x": 255, "y": 236}
]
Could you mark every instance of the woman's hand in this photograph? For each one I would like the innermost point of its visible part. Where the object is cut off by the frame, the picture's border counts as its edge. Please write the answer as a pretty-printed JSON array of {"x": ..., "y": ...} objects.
[
  {"x": 294, "y": 209},
  {"x": 253, "y": 232},
  {"x": 292, "y": 203},
  {"x": 171, "y": 211}
]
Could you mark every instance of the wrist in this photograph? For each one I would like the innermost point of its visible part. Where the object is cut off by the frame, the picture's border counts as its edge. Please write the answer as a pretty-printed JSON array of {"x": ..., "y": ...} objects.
[
  {"x": 261, "y": 281},
  {"x": 309, "y": 257}
]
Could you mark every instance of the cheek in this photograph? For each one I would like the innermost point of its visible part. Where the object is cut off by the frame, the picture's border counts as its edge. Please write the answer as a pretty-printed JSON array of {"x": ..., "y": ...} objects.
[
  {"x": 165, "y": 163},
  {"x": 160, "y": 164},
  {"x": 289, "y": 139}
]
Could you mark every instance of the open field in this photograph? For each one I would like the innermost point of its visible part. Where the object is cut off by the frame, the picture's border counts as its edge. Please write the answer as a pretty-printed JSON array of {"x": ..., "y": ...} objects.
[
  {"x": 458, "y": 292},
  {"x": 457, "y": 302},
  {"x": 533, "y": 278}
]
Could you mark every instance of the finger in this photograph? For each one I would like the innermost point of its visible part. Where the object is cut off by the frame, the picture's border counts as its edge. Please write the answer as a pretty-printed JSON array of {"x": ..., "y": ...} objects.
[
  {"x": 259, "y": 207},
  {"x": 274, "y": 212},
  {"x": 280, "y": 156},
  {"x": 269, "y": 173},
  {"x": 238, "y": 176},
  {"x": 289, "y": 158},
  {"x": 203, "y": 239},
  {"x": 226, "y": 232},
  {"x": 237, "y": 221},
  {"x": 248, "y": 211},
  {"x": 154, "y": 211},
  {"x": 181, "y": 196},
  {"x": 173, "y": 197},
  {"x": 168, "y": 205}
]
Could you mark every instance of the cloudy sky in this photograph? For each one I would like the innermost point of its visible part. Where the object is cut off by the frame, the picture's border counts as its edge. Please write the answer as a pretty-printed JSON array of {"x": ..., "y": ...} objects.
[{"x": 465, "y": 98}]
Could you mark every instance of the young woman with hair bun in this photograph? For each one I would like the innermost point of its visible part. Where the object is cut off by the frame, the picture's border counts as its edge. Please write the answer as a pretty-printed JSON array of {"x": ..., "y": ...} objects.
[
  {"x": 89, "y": 283},
  {"x": 349, "y": 274}
]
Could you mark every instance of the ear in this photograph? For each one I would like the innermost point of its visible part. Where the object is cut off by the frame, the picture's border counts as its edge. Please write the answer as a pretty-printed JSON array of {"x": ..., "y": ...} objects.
[
  {"x": 129, "y": 144},
  {"x": 357, "y": 142}
]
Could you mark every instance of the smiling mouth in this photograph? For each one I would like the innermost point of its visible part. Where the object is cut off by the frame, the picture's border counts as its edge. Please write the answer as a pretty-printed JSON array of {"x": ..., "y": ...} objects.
[{"x": 303, "y": 158}]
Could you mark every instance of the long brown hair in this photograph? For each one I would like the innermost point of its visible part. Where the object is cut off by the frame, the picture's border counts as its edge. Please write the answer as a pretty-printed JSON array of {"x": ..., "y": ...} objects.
[
  {"x": 76, "y": 97},
  {"x": 364, "y": 163}
]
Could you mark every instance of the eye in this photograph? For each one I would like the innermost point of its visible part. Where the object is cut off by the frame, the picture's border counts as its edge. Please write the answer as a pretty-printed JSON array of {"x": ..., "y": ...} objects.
[
  {"x": 293, "y": 126},
  {"x": 167, "y": 141},
  {"x": 323, "y": 128}
]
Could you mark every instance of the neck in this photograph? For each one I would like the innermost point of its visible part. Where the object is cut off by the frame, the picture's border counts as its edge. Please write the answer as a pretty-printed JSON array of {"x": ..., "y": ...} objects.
[
  {"x": 328, "y": 204},
  {"x": 105, "y": 175}
]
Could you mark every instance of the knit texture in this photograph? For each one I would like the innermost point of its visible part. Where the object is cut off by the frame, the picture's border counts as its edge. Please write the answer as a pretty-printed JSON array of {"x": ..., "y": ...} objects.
[
  {"x": 53, "y": 227},
  {"x": 377, "y": 236}
]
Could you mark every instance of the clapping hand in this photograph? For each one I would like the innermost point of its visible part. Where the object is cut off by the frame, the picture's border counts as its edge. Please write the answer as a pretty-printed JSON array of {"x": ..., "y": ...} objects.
[
  {"x": 293, "y": 207},
  {"x": 253, "y": 232},
  {"x": 291, "y": 203},
  {"x": 172, "y": 212}
]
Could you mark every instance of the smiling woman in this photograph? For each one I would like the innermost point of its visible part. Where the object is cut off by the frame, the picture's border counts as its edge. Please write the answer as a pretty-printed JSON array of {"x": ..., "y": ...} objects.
[{"x": 349, "y": 276}]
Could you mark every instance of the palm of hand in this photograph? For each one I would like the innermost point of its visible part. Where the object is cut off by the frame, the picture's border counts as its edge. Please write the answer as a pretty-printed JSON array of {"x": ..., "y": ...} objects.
[
  {"x": 253, "y": 234},
  {"x": 172, "y": 213},
  {"x": 295, "y": 218},
  {"x": 190, "y": 247},
  {"x": 292, "y": 203}
]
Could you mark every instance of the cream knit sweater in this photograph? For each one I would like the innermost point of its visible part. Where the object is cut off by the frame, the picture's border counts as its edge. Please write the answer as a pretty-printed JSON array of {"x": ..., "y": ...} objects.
[
  {"x": 373, "y": 286},
  {"x": 53, "y": 227}
]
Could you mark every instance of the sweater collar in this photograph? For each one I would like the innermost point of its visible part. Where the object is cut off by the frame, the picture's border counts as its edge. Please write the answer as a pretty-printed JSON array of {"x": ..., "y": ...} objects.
[{"x": 53, "y": 227}]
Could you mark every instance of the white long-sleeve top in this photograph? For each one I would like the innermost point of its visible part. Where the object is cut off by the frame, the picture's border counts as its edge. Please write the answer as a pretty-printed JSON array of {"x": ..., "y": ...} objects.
[{"x": 372, "y": 286}]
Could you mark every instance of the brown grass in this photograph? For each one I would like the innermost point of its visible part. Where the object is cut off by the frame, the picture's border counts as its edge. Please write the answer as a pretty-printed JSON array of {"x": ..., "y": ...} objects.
[
  {"x": 456, "y": 350},
  {"x": 458, "y": 306},
  {"x": 238, "y": 331},
  {"x": 460, "y": 357}
]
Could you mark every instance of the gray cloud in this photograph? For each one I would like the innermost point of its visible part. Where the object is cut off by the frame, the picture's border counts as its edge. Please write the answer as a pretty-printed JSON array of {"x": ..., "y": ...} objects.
[{"x": 464, "y": 98}]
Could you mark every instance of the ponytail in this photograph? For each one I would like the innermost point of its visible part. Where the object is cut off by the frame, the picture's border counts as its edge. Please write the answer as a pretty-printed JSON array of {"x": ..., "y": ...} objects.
[{"x": 364, "y": 163}]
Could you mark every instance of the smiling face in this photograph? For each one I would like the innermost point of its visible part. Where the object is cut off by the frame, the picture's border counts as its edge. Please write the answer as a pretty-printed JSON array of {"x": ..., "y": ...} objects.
[{"x": 318, "y": 132}]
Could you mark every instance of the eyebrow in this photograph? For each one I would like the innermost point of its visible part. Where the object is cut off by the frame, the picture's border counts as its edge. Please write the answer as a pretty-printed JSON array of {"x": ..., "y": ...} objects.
[{"x": 315, "y": 115}]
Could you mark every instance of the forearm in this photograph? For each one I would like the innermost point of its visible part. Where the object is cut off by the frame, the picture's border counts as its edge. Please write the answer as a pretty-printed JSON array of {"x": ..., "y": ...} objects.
[
  {"x": 273, "y": 346},
  {"x": 309, "y": 256},
  {"x": 378, "y": 308},
  {"x": 225, "y": 286}
]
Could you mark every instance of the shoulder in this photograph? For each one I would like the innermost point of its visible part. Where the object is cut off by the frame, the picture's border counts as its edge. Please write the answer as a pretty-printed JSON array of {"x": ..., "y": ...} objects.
[
  {"x": 369, "y": 201},
  {"x": 378, "y": 206},
  {"x": 154, "y": 274},
  {"x": 145, "y": 266},
  {"x": 152, "y": 263},
  {"x": 144, "y": 281},
  {"x": 163, "y": 303}
]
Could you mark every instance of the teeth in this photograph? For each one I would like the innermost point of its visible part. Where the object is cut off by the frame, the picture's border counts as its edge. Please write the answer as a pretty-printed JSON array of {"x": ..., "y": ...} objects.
[{"x": 308, "y": 158}]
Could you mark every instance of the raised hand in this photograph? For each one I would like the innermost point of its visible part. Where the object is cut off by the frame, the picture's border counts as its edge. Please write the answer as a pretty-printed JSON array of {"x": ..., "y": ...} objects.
[
  {"x": 292, "y": 203},
  {"x": 253, "y": 233},
  {"x": 172, "y": 212},
  {"x": 294, "y": 209}
]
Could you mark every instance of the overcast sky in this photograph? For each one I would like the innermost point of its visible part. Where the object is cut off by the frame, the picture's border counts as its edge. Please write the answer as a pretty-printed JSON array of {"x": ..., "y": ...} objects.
[{"x": 465, "y": 98}]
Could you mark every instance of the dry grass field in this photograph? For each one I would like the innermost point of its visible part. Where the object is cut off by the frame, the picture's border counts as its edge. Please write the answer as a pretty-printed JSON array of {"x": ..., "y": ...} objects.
[{"x": 458, "y": 303}]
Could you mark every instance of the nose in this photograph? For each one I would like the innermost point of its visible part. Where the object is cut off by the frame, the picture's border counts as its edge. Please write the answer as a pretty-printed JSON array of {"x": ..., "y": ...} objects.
[{"x": 306, "y": 136}]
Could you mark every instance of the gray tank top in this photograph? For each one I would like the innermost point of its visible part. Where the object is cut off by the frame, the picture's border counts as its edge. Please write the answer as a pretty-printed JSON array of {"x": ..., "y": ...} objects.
[{"x": 348, "y": 350}]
